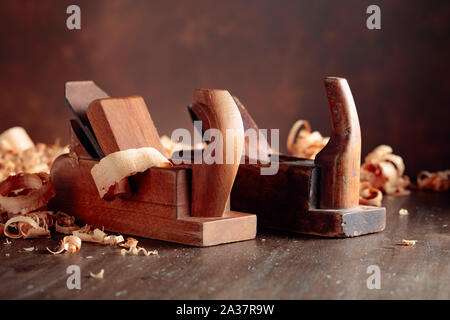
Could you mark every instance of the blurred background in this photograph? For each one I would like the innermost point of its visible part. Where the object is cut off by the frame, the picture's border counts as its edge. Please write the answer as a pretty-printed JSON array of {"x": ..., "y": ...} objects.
[{"x": 273, "y": 55}]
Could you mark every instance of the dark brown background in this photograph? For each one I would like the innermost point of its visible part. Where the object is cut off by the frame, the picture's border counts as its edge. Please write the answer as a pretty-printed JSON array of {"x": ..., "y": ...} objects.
[{"x": 272, "y": 54}]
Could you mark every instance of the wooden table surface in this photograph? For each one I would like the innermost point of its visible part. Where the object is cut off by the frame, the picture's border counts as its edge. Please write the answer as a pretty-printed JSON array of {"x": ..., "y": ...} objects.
[{"x": 273, "y": 266}]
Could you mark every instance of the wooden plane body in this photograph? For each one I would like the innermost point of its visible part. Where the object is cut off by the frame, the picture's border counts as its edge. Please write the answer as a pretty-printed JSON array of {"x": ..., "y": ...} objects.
[
  {"x": 289, "y": 201},
  {"x": 320, "y": 196},
  {"x": 158, "y": 203},
  {"x": 158, "y": 209}
]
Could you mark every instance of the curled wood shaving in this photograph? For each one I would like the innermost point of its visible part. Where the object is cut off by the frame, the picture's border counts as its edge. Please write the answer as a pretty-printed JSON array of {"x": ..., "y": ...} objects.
[
  {"x": 131, "y": 243},
  {"x": 97, "y": 236},
  {"x": 29, "y": 249},
  {"x": 70, "y": 244},
  {"x": 31, "y": 225},
  {"x": 384, "y": 171},
  {"x": 403, "y": 212},
  {"x": 65, "y": 223},
  {"x": 303, "y": 143},
  {"x": 170, "y": 146},
  {"x": 121, "y": 164},
  {"x": 437, "y": 181},
  {"x": 369, "y": 195},
  {"x": 97, "y": 275},
  {"x": 25, "y": 192},
  {"x": 38, "y": 223},
  {"x": 408, "y": 242},
  {"x": 133, "y": 249},
  {"x": 19, "y": 154}
]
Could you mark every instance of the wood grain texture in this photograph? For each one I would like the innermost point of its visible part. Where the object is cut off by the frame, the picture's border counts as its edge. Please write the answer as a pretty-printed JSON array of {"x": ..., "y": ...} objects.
[
  {"x": 340, "y": 160},
  {"x": 276, "y": 265},
  {"x": 123, "y": 123},
  {"x": 212, "y": 182},
  {"x": 276, "y": 199},
  {"x": 159, "y": 209},
  {"x": 76, "y": 192},
  {"x": 289, "y": 201}
]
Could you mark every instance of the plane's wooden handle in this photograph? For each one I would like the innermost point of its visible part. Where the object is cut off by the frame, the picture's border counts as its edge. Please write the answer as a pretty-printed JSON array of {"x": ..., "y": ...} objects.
[
  {"x": 340, "y": 159},
  {"x": 212, "y": 183}
]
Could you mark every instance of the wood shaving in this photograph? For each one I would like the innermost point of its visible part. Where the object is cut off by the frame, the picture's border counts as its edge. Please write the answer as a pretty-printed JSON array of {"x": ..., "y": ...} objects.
[
  {"x": 97, "y": 275},
  {"x": 88, "y": 234},
  {"x": 70, "y": 244},
  {"x": 369, "y": 195},
  {"x": 133, "y": 249},
  {"x": 303, "y": 143},
  {"x": 408, "y": 242},
  {"x": 384, "y": 171},
  {"x": 403, "y": 212},
  {"x": 38, "y": 223},
  {"x": 19, "y": 154},
  {"x": 437, "y": 181},
  {"x": 65, "y": 223},
  {"x": 170, "y": 146},
  {"x": 16, "y": 139},
  {"x": 29, "y": 249},
  {"x": 121, "y": 164},
  {"x": 31, "y": 225},
  {"x": 25, "y": 192}
]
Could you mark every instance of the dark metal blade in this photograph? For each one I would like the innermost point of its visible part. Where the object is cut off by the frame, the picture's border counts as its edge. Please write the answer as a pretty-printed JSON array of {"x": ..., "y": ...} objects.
[{"x": 78, "y": 95}]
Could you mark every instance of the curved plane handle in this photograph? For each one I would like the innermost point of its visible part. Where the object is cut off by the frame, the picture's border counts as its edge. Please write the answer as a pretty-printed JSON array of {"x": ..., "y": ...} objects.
[
  {"x": 212, "y": 182},
  {"x": 340, "y": 159}
]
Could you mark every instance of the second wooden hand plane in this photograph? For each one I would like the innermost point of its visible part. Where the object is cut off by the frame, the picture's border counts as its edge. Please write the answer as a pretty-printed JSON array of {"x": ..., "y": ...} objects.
[
  {"x": 319, "y": 197},
  {"x": 182, "y": 203}
]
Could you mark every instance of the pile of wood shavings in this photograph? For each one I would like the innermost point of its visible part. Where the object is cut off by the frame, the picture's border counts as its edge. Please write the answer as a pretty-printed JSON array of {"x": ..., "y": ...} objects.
[
  {"x": 382, "y": 171},
  {"x": 437, "y": 181},
  {"x": 24, "y": 169},
  {"x": 18, "y": 153},
  {"x": 303, "y": 143},
  {"x": 28, "y": 163},
  {"x": 87, "y": 233}
]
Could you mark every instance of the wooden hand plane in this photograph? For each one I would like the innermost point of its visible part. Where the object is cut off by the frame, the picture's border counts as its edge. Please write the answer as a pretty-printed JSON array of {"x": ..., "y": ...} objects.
[
  {"x": 186, "y": 204},
  {"x": 319, "y": 197}
]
